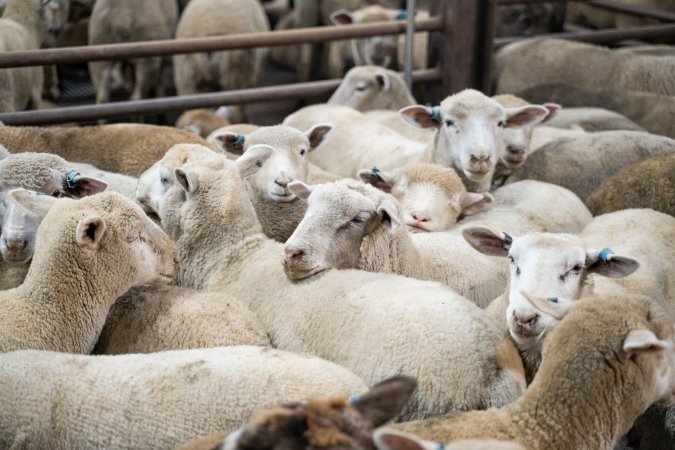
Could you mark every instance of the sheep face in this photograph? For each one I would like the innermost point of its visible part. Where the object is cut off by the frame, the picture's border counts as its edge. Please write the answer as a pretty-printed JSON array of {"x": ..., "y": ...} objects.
[
  {"x": 338, "y": 217},
  {"x": 55, "y": 13},
  {"x": 545, "y": 266},
  {"x": 361, "y": 88},
  {"x": 469, "y": 134},
  {"x": 517, "y": 140},
  {"x": 377, "y": 50},
  {"x": 19, "y": 229}
]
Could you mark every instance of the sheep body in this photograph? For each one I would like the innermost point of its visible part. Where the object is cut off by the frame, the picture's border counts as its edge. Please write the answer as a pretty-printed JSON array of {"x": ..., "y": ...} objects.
[
  {"x": 202, "y": 122},
  {"x": 592, "y": 119},
  {"x": 582, "y": 164},
  {"x": 130, "y": 401},
  {"x": 649, "y": 183},
  {"x": 151, "y": 319}
]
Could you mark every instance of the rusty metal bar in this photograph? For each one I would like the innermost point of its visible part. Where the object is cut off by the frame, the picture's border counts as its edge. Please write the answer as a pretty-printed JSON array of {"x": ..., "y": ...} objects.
[
  {"x": 210, "y": 44},
  {"x": 161, "y": 105},
  {"x": 633, "y": 10},
  {"x": 601, "y": 36}
]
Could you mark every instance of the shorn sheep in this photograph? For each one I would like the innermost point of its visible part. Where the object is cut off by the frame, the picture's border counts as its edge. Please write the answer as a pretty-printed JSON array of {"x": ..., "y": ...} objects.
[
  {"x": 152, "y": 401},
  {"x": 333, "y": 424},
  {"x": 208, "y": 212},
  {"x": 88, "y": 253},
  {"x": 611, "y": 354}
]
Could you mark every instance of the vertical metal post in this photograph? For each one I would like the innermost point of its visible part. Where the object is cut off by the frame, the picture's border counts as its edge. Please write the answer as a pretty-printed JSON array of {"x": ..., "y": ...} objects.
[{"x": 409, "y": 43}]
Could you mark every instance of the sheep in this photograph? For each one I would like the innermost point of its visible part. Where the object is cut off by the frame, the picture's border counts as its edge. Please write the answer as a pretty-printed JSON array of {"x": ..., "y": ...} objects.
[
  {"x": 88, "y": 253},
  {"x": 238, "y": 257},
  {"x": 589, "y": 16},
  {"x": 469, "y": 135},
  {"x": 116, "y": 182},
  {"x": 593, "y": 119},
  {"x": 390, "y": 439},
  {"x": 225, "y": 70},
  {"x": 56, "y": 15},
  {"x": 650, "y": 111},
  {"x": 582, "y": 164},
  {"x": 384, "y": 51},
  {"x": 431, "y": 197},
  {"x": 366, "y": 88},
  {"x": 152, "y": 401},
  {"x": 543, "y": 135},
  {"x": 117, "y": 21},
  {"x": 533, "y": 62},
  {"x": 649, "y": 183},
  {"x": 329, "y": 424},
  {"x": 202, "y": 122},
  {"x": 150, "y": 319},
  {"x": 566, "y": 267},
  {"x": 627, "y": 363},
  {"x": 23, "y": 26},
  {"x": 392, "y": 120},
  {"x": 128, "y": 149}
]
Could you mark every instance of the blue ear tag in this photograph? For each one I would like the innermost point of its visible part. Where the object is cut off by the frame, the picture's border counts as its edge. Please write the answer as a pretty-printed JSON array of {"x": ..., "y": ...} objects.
[
  {"x": 355, "y": 399},
  {"x": 375, "y": 173},
  {"x": 508, "y": 239},
  {"x": 604, "y": 254},
  {"x": 38, "y": 193},
  {"x": 240, "y": 139},
  {"x": 71, "y": 182},
  {"x": 400, "y": 14},
  {"x": 436, "y": 114},
  {"x": 440, "y": 446},
  {"x": 552, "y": 299}
]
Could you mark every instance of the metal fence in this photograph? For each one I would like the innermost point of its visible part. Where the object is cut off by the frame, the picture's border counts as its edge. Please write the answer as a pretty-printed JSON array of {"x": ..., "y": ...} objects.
[{"x": 461, "y": 47}]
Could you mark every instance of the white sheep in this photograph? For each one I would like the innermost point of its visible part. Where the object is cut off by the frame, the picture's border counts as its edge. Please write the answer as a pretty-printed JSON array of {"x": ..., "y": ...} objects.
[
  {"x": 581, "y": 164},
  {"x": 223, "y": 70},
  {"x": 593, "y": 119},
  {"x": 152, "y": 401},
  {"x": 88, "y": 253},
  {"x": 202, "y": 121},
  {"x": 366, "y": 88},
  {"x": 126, "y": 148},
  {"x": 23, "y": 26},
  {"x": 121, "y": 21},
  {"x": 335, "y": 314},
  {"x": 606, "y": 362},
  {"x": 151, "y": 319},
  {"x": 533, "y": 62}
]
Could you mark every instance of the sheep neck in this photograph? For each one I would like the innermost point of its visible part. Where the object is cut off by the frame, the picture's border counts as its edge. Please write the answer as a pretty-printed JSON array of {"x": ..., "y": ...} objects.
[
  {"x": 24, "y": 13},
  {"x": 387, "y": 252}
]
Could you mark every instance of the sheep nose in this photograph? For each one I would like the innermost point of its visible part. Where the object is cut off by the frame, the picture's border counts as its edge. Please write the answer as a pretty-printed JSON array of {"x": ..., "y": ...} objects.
[
  {"x": 420, "y": 217},
  {"x": 480, "y": 158},
  {"x": 15, "y": 244},
  {"x": 515, "y": 150},
  {"x": 55, "y": 29},
  {"x": 282, "y": 182},
  {"x": 526, "y": 321},
  {"x": 291, "y": 253}
]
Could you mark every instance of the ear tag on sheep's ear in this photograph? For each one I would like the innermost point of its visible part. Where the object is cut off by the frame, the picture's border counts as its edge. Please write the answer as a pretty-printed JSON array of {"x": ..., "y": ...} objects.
[
  {"x": 355, "y": 399},
  {"x": 440, "y": 446},
  {"x": 604, "y": 254},
  {"x": 400, "y": 14},
  {"x": 71, "y": 180},
  {"x": 552, "y": 299},
  {"x": 436, "y": 114},
  {"x": 240, "y": 139},
  {"x": 508, "y": 239},
  {"x": 375, "y": 173}
]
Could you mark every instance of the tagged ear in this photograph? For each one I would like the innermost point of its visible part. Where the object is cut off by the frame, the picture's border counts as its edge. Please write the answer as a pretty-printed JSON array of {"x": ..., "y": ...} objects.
[
  {"x": 300, "y": 189},
  {"x": 421, "y": 116},
  {"x": 187, "y": 179},
  {"x": 385, "y": 400},
  {"x": 79, "y": 186},
  {"x": 35, "y": 203},
  {"x": 254, "y": 158},
  {"x": 318, "y": 133},
  {"x": 231, "y": 142},
  {"x": 384, "y": 181},
  {"x": 604, "y": 262},
  {"x": 390, "y": 439},
  {"x": 90, "y": 231},
  {"x": 473, "y": 203},
  {"x": 487, "y": 241},
  {"x": 388, "y": 213},
  {"x": 553, "y": 109},
  {"x": 342, "y": 17},
  {"x": 382, "y": 79},
  {"x": 525, "y": 116},
  {"x": 643, "y": 341}
]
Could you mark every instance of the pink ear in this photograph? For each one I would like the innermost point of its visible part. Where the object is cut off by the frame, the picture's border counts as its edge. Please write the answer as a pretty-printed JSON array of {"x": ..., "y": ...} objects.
[
  {"x": 525, "y": 116},
  {"x": 300, "y": 189},
  {"x": 421, "y": 116},
  {"x": 553, "y": 109},
  {"x": 342, "y": 17},
  {"x": 643, "y": 341},
  {"x": 231, "y": 142}
]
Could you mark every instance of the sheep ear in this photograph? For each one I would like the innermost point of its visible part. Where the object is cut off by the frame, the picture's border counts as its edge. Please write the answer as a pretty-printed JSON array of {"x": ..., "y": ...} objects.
[
  {"x": 223, "y": 112},
  {"x": 388, "y": 213},
  {"x": 342, "y": 17},
  {"x": 525, "y": 116},
  {"x": 604, "y": 262},
  {"x": 231, "y": 142},
  {"x": 382, "y": 79},
  {"x": 473, "y": 203},
  {"x": 35, "y": 203},
  {"x": 300, "y": 189},
  {"x": 389, "y": 439},
  {"x": 90, "y": 231},
  {"x": 421, "y": 116},
  {"x": 487, "y": 241},
  {"x": 643, "y": 341},
  {"x": 254, "y": 158},
  {"x": 187, "y": 179},
  {"x": 385, "y": 400},
  {"x": 384, "y": 181},
  {"x": 318, "y": 133},
  {"x": 553, "y": 109},
  {"x": 79, "y": 186}
]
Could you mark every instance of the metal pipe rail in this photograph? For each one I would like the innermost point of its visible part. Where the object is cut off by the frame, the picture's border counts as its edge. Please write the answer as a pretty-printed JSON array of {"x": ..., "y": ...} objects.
[
  {"x": 161, "y": 105},
  {"x": 311, "y": 35}
]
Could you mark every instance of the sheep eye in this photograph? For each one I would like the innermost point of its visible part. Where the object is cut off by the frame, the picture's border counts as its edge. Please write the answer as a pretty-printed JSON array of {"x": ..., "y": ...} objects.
[
  {"x": 501, "y": 124},
  {"x": 517, "y": 270},
  {"x": 360, "y": 88},
  {"x": 135, "y": 237},
  {"x": 511, "y": 259},
  {"x": 357, "y": 220},
  {"x": 56, "y": 194},
  {"x": 578, "y": 268},
  {"x": 302, "y": 152},
  {"x": 164, "y": 180},
  {"x": 449, "y": 123}
]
